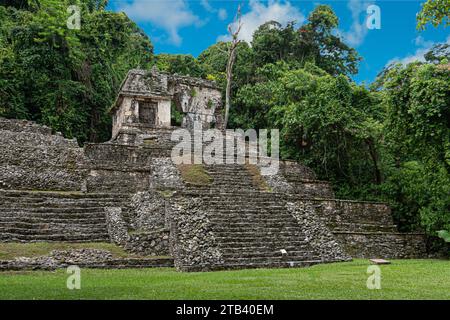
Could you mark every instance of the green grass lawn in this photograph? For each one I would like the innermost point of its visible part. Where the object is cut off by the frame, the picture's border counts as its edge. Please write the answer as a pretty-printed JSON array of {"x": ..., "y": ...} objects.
[{"x": 403, "y": 279}]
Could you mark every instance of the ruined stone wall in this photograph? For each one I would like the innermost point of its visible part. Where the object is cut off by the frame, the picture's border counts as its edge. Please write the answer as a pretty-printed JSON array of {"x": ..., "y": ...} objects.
[
  {"x": 32, "y": 158},
  {"x": 320, "y": 236},
  {"x": 383, "y": 245},
  {"x": 295, "y": 178},
  {"x": 192, "y": 240},
  {"x": 341, "y": 213},
  {"x": 198, "y": 99},
  {"x": 144, "y": 228},
  {"x": 117, "y": 168},
  {"x": 366, "y": 230}
]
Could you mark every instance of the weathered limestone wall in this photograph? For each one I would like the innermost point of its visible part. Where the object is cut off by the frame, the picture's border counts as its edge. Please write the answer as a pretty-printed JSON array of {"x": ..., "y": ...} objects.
[
  {"x": 294, "y": 178},
  {"x": 32, "y": 158},
  {"x": 155, "y": 243},
  {"x": 343, "y": 213},
  {"x": 165, "y": 175},
  {"x": 383, "y": 245},
  {"x": 198, "y": 99},
  {"x": 319, "y": 235},
  {"x": 296, "y": 170},
  {"x": 193, "y": 243},
  {"x": 144, "y": 228},
  {"x": 366, "y": 230},
  {"x": 127, "y": 113},
  {"x": 117, "y": 168},
  {"x": 149, "y": 211}
]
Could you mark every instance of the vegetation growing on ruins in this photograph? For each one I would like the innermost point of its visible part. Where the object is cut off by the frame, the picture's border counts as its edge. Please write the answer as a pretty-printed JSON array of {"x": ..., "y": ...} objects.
[
  {"x": 66, "y": 78},
  {"x": 403, "y": 279},
  {"x": 194, "y": 174},
  {"x": 387, "y": 142}
]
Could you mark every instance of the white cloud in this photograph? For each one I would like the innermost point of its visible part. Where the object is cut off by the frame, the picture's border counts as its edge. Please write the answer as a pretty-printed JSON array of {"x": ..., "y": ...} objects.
[
  {"x": 168, "y": 15},
  {"x": 205, "y": 4},
  {"x": 282, "y": 12},
  {"x": 221, "y": 13},
  {"x": 423, "y": 46},
  {"x": 358, "y": 30}
]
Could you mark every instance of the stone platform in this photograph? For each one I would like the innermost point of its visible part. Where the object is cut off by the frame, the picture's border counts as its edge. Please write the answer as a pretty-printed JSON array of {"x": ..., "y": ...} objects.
[{"x": 133, "y": 195}]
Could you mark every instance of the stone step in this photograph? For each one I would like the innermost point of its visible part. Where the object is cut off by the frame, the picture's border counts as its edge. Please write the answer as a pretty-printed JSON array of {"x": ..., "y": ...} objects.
[
  {"x": 12, "y": 237},
  {"x": 239, "y": 254},
  {"x": 236, "y": 233},
  {"x": 370, "y": 227},
  {"x": 58, "y": 201},
  {"x": 40, "y": 195},
  {"x": 250, "y": 209},
  {"x": 37, "y": 220},
  {"x": 275, "y": 222},
  {"x": 50, "y": 230},
  {"x": 263, "y": 227},
  {"x": 43, "y": 215},
  {"x": 236, "y": 185},
  {"x": 294, "y": 246},
  {"x": 272, "y": 261},
  {"x": 260, "y": 241},
  {"x": 248, "y": 265},
  {"x": 60, "y": 210},
  {"x": 240, "y": 195},
  {"x": 250, "y": 204},
  {"x": 64, "y": 206}
]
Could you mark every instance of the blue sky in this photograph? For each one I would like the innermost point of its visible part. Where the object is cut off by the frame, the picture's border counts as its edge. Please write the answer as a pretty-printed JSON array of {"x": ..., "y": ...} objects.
[{"x": 190, "y": 26}]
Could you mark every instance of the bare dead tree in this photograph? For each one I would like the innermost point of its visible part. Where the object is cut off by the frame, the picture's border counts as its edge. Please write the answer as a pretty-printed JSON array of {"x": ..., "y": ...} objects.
[{"x": 231, "y": 60}]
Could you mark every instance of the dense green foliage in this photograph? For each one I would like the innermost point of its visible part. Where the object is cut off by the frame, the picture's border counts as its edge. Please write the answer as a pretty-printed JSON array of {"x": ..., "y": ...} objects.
[
  {"x": 182, "y": 64},
  {"x": 403, "y": 279},
  {"x": 434, "y": 12},
  {"x": 324, "y": 121},
  {"x": 66, "y": 78},
  {"x": 417, "y": 143}
]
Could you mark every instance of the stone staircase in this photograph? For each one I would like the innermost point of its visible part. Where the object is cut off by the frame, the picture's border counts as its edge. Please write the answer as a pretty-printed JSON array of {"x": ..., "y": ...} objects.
[
  {"x": 28, "y": 216},
  {"x": 250, "y": 227},
  {"x": 226, "y": 177}
]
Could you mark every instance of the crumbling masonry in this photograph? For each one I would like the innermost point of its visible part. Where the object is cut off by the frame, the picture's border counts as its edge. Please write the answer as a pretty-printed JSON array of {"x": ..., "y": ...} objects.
[{"x": 128, "y": 191}]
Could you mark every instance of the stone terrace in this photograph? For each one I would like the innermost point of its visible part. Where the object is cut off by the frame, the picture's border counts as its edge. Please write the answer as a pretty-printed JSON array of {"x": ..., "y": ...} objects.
[{"x": 134, "y": 196}]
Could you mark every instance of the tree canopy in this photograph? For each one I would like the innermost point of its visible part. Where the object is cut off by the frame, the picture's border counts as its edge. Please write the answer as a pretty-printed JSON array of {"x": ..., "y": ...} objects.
[
  {"x": 435, "y": 12},
  {"x": 66, "y": 78}
]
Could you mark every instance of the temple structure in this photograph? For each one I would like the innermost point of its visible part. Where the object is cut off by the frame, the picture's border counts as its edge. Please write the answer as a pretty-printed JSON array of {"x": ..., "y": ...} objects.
[
  {"x": 129, "y": 192},
  {"x": 147, "y": 98}
]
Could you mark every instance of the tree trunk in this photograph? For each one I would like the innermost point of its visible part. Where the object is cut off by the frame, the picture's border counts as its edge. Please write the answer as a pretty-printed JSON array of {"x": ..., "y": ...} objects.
[
  {"x": 374, "y": 155},
  {"x": 230, "y": 64}
]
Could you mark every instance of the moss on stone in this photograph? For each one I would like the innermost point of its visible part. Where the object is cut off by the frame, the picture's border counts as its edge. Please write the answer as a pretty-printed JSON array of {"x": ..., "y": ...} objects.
[
  {"x": 149, "y": 141},
  {"x": 257, "y": 178},
  {"x": 194, "y": 174},
  {"x": 166, "y": 193}
]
